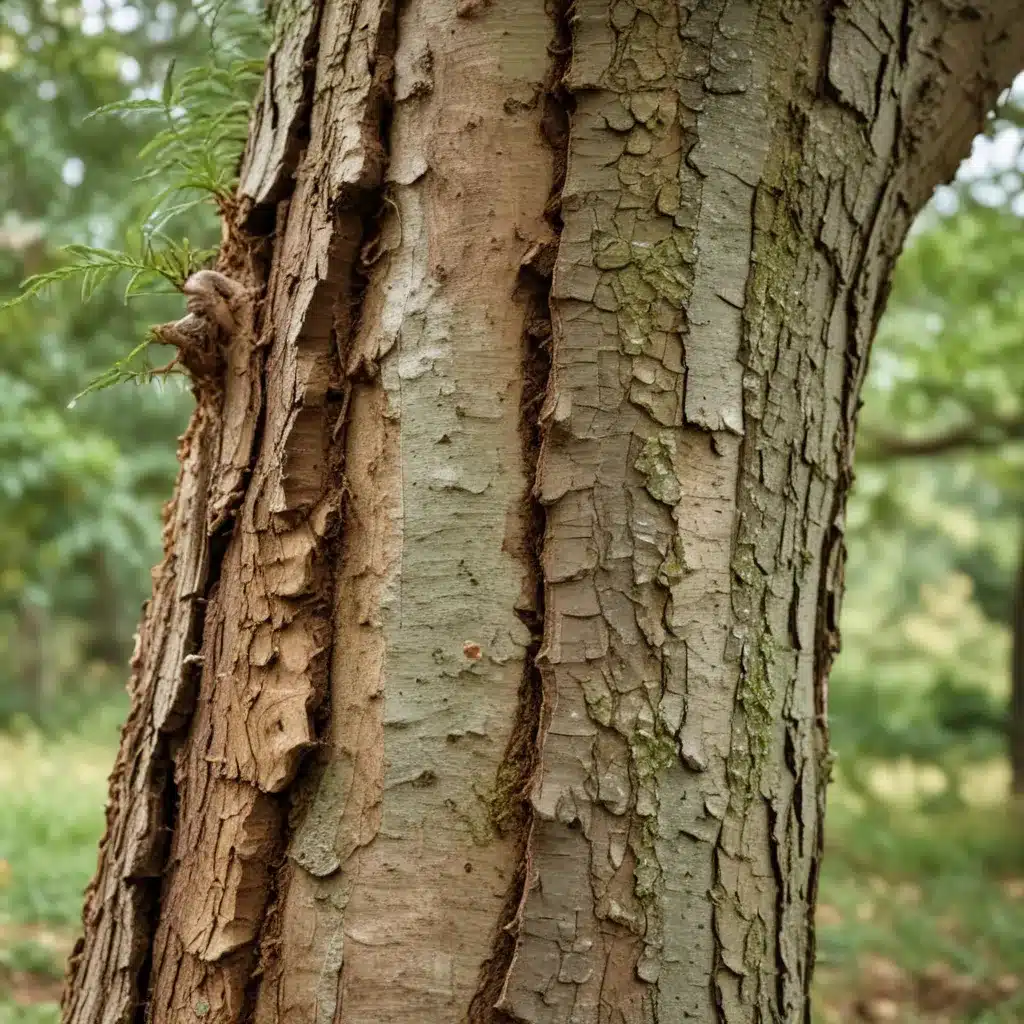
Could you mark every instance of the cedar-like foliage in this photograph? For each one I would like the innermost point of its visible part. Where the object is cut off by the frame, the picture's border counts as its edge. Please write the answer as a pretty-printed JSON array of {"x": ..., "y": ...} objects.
[{"x": 191, "y": 160}]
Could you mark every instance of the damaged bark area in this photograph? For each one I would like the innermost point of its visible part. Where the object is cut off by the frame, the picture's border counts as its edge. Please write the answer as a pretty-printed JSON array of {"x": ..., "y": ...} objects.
[
  {"x": 267, "y": 633},
  {"x": 231, "y": 658},
  {"x": 484, "y": 676},
  {"x": 406, "y": 859},
  {"x": 216, "y": 343},
  {"x": 512, "y": 807}
]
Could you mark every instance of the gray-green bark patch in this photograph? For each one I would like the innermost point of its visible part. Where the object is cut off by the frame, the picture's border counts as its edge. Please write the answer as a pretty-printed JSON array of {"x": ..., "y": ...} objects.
[{"x": 655, "y": 462}]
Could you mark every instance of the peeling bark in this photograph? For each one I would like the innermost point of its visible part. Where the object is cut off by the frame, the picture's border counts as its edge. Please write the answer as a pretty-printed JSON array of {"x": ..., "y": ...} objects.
[{"x": 484, "y": 677}]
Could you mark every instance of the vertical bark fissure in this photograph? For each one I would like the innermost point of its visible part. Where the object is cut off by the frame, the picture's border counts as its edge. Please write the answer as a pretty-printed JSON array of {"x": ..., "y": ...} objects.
[
  {"x": 426, "y": 669},
  {"x": 109, "y": 972},
  {"x": 346, "y": 312},
  {"x": 280, "y": 124},
  {"x": 510, "y": 811},
  {"x": 123, "y": 902},
  {"x": 267, "y": 637},
  {"x": 512, "y": 808},
  {"x": 633, "y": 646},
  {"x": 171, "y": 742},
  {"x": 134, "y": 888}
]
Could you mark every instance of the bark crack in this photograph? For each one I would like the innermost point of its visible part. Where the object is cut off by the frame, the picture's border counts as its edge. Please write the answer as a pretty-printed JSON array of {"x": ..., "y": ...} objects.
[
  {"x": 357, "y": 215},
  {"x": 512, "y": 811},
  {"x": 216, "y": 337}
]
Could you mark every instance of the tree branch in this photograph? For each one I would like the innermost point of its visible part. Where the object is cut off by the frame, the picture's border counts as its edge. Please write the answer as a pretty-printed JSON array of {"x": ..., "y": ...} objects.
[{"x": 976, "y": 436}]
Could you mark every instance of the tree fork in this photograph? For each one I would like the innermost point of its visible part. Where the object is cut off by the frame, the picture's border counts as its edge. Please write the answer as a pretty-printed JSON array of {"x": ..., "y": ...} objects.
[{"x": 615, "y": 816}]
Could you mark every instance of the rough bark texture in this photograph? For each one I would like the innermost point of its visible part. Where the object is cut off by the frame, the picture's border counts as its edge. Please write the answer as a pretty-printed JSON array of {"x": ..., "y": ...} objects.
[{"x": 485, "y": 674}]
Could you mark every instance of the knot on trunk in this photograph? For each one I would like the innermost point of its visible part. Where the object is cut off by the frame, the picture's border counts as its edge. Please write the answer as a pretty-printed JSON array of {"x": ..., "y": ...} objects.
[{"x": 214, "y": 302}]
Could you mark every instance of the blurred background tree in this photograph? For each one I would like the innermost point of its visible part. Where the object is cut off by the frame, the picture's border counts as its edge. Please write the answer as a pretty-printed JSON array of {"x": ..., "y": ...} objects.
[
  {"x": 922, "y": 898},
  {"x": 937, "y": 522}
]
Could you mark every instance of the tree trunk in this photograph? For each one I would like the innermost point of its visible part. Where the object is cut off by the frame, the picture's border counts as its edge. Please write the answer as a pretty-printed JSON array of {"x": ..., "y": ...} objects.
[
  {"x": 485, "y": 675},
  {"x": 35, "y": 673},
  {"x": 1015, "y": 723}
]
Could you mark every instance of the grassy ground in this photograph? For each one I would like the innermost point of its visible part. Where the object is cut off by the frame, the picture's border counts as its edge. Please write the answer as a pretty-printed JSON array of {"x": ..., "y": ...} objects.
[
  {"x": 921, "y": 917},
  {"x": 52, "y": 793}
]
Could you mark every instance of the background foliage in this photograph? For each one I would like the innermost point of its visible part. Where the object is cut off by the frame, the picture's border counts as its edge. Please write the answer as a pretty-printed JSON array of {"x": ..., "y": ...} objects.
[
  {"x": 922, "y": 907},
  {"x": 936, "y": 523},
  {"x": 83, "y": 481}
]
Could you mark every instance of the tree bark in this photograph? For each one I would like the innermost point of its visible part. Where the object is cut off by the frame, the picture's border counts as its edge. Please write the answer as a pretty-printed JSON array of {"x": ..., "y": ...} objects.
[{"x": 485, "y": 674}]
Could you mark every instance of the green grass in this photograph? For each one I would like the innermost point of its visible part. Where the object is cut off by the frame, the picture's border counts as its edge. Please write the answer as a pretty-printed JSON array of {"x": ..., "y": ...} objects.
[
  {"x": 52, "y": 795},
  {"x": 33, "y": 1013},
  {"x": 905, "y": 895},
  {"x": 908, "y": 897}
]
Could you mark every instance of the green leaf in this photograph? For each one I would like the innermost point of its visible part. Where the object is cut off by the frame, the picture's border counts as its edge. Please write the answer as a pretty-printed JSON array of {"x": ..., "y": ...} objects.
[
  {"x": 167, "y": 92},
  {"x": 127, "y": 106}
]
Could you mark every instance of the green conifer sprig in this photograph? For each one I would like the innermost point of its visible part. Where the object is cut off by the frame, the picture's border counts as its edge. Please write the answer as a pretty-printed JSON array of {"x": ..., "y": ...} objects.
[
  {"x": 130, "y": 368},
  {"x": 159, "y": 262},
  {"x": 191, "y": 160}
]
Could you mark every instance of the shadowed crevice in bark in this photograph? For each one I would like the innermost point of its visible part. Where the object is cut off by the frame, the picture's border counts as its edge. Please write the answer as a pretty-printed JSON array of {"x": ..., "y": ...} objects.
[
  {"x": 358, "y": 216},
  {"x": 511, "y": 807},
  {"x": 343, "y": 290},
  {"x": 282, "y": 114},
  {"x": 136, "y": 959},
  {"x": 245, "y": 255}
]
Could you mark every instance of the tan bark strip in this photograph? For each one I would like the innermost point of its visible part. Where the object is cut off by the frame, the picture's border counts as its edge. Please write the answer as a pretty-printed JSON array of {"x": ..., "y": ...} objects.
[
  {"x": 267, "y": 631},
  {"x": 280, "y": 123},
  {"x": 398, "y": 875},
  {"x": 512, "y": 806},
  {"x": 339, "y": 807},
  {"x": 103, "y": 981}
]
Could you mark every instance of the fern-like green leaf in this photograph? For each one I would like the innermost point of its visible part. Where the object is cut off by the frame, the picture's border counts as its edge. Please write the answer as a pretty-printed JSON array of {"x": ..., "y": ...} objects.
[
  {"x": 132, "y": 368},
  {"x": 129, "y": 106},
  {"x": 193, "y": 155},
  {"x": 167, "y": 93}
]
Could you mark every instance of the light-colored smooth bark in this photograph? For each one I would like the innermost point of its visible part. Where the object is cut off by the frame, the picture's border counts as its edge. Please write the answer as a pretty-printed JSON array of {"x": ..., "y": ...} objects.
[{"x": 485, "y": 675}]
